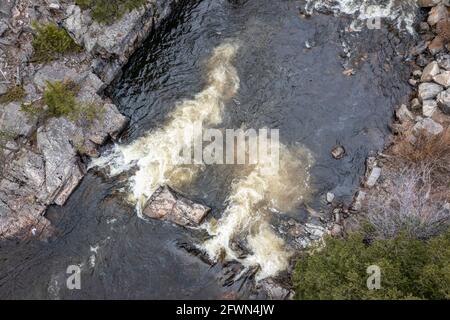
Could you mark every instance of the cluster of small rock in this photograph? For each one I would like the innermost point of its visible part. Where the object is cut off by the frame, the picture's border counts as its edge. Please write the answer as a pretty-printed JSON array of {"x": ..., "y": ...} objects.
[
  {"x": 429, "y": 109},
  {"x": 431, "y": 75},
  {"x": 41, "y": 162}
]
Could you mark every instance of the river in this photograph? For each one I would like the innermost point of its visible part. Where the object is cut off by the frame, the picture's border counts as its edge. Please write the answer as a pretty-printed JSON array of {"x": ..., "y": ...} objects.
[{"x": 231, "y": 64}]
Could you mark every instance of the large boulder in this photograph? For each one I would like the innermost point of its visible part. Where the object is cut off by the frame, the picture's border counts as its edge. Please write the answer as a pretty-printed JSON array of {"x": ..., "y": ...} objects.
[{"x": 166, "y": 204}]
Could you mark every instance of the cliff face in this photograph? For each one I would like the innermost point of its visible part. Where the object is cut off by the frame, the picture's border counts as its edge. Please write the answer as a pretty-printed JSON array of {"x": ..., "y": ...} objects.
[{"x": 41, "y": 160}]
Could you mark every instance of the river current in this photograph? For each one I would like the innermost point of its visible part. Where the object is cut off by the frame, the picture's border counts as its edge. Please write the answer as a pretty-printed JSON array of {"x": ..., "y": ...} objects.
[{"x": 229, "y": 64}]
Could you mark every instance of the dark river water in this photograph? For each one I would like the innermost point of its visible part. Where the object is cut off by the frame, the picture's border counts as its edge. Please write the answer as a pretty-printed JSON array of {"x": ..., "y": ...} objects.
[{"x": 300, "y": 91}]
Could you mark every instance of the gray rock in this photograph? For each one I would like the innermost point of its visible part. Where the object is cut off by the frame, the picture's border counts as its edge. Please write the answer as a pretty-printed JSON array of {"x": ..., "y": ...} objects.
[
  {"x": 3, "y": 88},
  {"x": 430, "y": 71},
  {"x": 14, "y": 121},
  {"x": 3, "y": 27},
  {"x": 166, "y": 204},
  {"x": 6, "y": 7},
  {"x": 429, "y": 107},
  {"x": 415, "y": 104},
  {"x": 403, "y": 114},
  {"x": 428, "y": 3},
  {"x": 26, "y": 175},
  {"x": 443, "y": 101},
  {"x": 330, "y": 197},
  {"x": 110, "y": 124},
  {"x": 338, "y": 152},
  {"x": 373, "y": 177},
  {"x": 56, "y": 141},
  {"x": 359, "y": 200},
  {"x": 444, "y": 61},
  {"x": 429, "y": 91},
  {"x": 274, "y": 290},
  {"x": 90, "y": 86},
  {"x": 429, "y": 126},
  {"x": 443, "y": 79},
  {"x": 113, "y": 43},
  {"x": 437, "y": 14},
  {"x": 106, "y": 40},
  {"x": 420, "y": 48},
  {"x": 55, "y": 71}
]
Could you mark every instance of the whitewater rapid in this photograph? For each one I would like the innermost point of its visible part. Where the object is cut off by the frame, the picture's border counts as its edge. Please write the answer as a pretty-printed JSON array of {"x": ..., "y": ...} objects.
[
  {"x": 256, "y": 193},
  {"x": 401, "y": 12}
]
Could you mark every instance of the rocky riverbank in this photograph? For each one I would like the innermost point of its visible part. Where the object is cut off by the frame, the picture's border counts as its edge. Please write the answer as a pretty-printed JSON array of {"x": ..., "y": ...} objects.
[
  {"x": 42, "y": 162},
  {"x": 419, "y": 142}
]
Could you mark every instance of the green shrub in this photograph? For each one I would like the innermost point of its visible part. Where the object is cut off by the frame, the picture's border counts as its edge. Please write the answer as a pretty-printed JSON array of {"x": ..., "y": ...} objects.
[
  {"x": 32, "y": 110},
  {"x": 60, "y": 98},
  {"x": 90, "y": 111},
  {"x": 108, "y": 11},
  {"x": 410, "y": 269},
  {"x": 50, "y": 42},
  {"x": 84, "y": 4},
  {"x": 16, "y": 93}
]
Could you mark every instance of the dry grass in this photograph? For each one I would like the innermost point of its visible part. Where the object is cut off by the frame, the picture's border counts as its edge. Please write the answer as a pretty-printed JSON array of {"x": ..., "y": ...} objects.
[
  {"x": 407, "y": 205},
  {"x": 416, "y": 190},
  {"x": 427, "y": 152}
]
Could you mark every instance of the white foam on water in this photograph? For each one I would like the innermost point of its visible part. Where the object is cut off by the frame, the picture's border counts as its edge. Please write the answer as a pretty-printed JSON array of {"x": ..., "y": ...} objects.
[
  {"x": 250, "y": 203},
  {"x": 263, "y": 190},
  {"x": 154, "y": 154},
  {"x": 403, "y": 12}
]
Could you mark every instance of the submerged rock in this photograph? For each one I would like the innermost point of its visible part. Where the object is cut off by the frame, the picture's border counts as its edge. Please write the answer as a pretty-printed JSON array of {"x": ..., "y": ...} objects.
[
  {"x": 166, "y": 204},
  {"x": 338, "y": 152}
]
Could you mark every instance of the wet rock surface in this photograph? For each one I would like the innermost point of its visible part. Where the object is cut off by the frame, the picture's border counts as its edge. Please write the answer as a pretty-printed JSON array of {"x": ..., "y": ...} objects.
[{"x": 166, "y": 204}]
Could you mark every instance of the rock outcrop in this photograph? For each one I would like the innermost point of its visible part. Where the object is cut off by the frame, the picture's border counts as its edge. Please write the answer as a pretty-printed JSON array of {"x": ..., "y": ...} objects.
[
  {"x": 40, "y": 160},
  {"x": 166, "y": 204}
]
